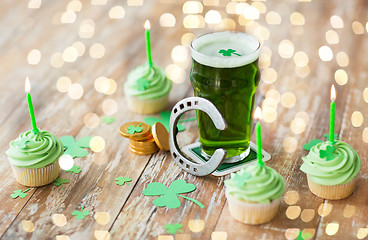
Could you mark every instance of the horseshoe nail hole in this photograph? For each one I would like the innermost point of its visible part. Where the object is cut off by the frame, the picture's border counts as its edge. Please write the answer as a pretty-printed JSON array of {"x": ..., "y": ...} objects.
[
  {"x": 195, "y": 170},
  {"x": 174, "y": 154},
  {"x": 187, "y": 166},
  {"x": 181, "y": 106},
  {"x": 181, "y": 162},
  {"x": 175, "y": 110},
  {"x": 189, "y": 104},
  {"x": 196, "y": 103}
]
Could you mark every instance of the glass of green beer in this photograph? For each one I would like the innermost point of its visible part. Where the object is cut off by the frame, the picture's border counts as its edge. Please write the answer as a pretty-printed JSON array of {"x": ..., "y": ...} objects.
[{"x": 225, "y": 71}]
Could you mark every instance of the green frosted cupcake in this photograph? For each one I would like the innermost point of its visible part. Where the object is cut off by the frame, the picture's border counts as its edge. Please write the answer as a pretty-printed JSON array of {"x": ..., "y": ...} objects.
[
  {"x": 331, "y": 170},
  {"x": 147, "y": 89},
  {"x": 254, "y": 194},
  {"x": 34, "y": 158}
]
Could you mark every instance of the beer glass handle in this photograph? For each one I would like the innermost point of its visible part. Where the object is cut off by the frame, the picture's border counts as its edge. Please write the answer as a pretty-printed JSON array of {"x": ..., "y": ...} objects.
[{"x": 195, "y": 103}]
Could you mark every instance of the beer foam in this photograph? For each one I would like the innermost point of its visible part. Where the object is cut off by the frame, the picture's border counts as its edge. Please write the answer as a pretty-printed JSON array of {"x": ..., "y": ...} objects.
[{"x": 205, "y": 49}]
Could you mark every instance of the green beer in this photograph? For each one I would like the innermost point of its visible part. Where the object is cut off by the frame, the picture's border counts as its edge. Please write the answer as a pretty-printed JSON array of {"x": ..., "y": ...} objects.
[{"x": 225, "y": 71}]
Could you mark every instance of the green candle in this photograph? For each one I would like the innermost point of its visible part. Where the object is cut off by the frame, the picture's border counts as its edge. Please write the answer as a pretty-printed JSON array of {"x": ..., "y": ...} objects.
[
  {"x": 148, "y": 42},
  {"x": 332, "y": 115},
  {"x": 30, "y": 107},
  {"x": 258, "y": 116}
]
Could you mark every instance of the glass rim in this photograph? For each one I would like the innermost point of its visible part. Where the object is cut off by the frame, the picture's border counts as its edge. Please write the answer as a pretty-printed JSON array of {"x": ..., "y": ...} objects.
[{"x": 218, "y": 57}]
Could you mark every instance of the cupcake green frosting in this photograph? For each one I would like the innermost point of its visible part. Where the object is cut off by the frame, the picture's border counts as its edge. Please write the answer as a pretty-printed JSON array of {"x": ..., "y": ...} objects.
[
  {"x": 31, "y": 150},
  {"x": 256, "y": 184},
  {"x": 328, "y": 164},
  {"x": 147, "y": 82}
]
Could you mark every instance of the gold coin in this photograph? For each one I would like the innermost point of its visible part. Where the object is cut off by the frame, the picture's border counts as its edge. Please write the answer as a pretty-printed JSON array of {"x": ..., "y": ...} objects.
[
  {"x": 161, "y": 136},
  {"x": 144, "y": 152},
  {"x": 143, "y": 128},
  {"x": 148, "y": 147}
]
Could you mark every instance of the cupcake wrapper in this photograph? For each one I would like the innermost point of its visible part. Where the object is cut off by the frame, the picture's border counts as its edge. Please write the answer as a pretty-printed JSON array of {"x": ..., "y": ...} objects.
[
  {"x": 252, "y": 213},
  {"x": 36, "y": 177},
  {"x": 333, "y": 192},
  {"x": 147, "y": 106}
]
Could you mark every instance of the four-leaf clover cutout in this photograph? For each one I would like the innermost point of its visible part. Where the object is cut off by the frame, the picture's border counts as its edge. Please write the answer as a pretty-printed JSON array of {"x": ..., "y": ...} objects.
[
  {"x": 134, "y": 129},
  {"x": 19, "y": 193},
  {"x": 173, "y": 228},
  {"x": 121, "y": 180},
  {"x": 328, "y": 153},
  {"x": 80, "y": 214},
  {"x": 60, "y": 181},
  {"x": 75, "y": 169},
  {"x": 76, "y": 148},
  {"x": 228, "y": 52},
  {"x": 143, "y": 84},
  {"x": 169, "y": 196}
]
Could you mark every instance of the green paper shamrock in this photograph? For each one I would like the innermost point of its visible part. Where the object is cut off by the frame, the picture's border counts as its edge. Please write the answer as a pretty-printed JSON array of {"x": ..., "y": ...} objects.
[
  {"x": 228, "y": 52},
  {"x": 76, "y": 148},
  {"x": 121, "y": 180},
  {"x": 108, "y": 120},
  {"x": 328, "y": 153},
  {"x": 60, "y": 181},
  {"x": 143, "y": 84},
  {"x": 22, "y": 143},
  {"x": 75, "y": 169},
  {"x": 19, "y": 193},
  {"x": 312, "y": 143},
  {"x": 173, "y": 228},
  {"x": 133, "y": 129},
  {"x": 170, "y": 195},
  {"x": 80, "y": 214},
  {"x": 165, "y": 120},
  {"x": 240, "y": 178}
]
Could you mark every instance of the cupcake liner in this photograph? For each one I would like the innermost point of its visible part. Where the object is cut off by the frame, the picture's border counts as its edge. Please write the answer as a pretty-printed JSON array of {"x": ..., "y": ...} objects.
[
  {"x": 332, "y": 192},
  {"x": 252, "y": 213},
  {"x": 147, "y": 106},
  {"x": 36, "y": 177}
]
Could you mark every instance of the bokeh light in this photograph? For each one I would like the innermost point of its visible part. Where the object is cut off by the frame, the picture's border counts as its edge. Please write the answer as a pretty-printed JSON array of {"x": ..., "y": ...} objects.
[
  {"x": 296, "y": 18},
  {"x": 75, "y": 91},
  {"x": 117, "y": 12},
  {"x": 231, "y": 7},
  {"x": 102, "y": 234},
  {"x": 34, "y": 4},
  {"x": 187, "y": 38},
  {"x": 362, "y": 233},
  {"x": 135, "y": 3},
  {"x": 341, "y": 77},
  {"x": 212, "y": 17},
  {"x": 251, "y": 13},
  {"x": 74, "y": 5},
  {"x": 196, "y": 225},
  {"x": 109, "y": 106},
  {"x": 97, "y": 50},
  {"x": 357, "y": 27},
  {"x": 57, "y": 60},
  {"x": 59, "y": 220},
  {"x": 66, "y": 162},
  {"x": 273, "y": 18},
  {"x": 332, "y": 37},
  {"x": 63, "y": 84},
  {"x": 293, "y": 212},
  {"x": 307, "y": 215},
  {"x": 336, "y": 22},
  {"x": 28, "y": 226},
  {"x": 68, "y": 17},
  {"x": 332, "y": 228},
  {"x": 91, "y": 120},
  {"x": 288, "y": 99},
  {"x": 291, "y": 197},
  {"x": 292, "y": 233},
  {"x": 194, "y": 21},
  {"x": 269, "y": 75},
  {"x": 302, "y": 72},
  {"x": 79, "y": 46},
  {"x": 301, "y": 59},
  {"x": 365, "y": 95},
  {"x": 192, "y": 7},
  {"x": 70, "y": 54},
  {"x": 325, "y": 53},
  {"x": 98, "y": 2},
  {"x": 290, "y": 144},
  {"x": 286, "y": 49},
  {"x": 365, "y": 135},
  {"x": 217, "y": 235},
  {"x": 87, "y": 28},
  {"x": 176, "y": 73},
  {"x": 349, "y": 211},
  {"x": 34, "y": 57},
  {"x": 357, "y": 119},
  {"x": 324, "y": 209},
  {"x": 342, "y": 59},
  {"x": 179, "y": 54},
  {"x": 97, "y": 144},
  {"x": 167, "y": 20},
  {"x": 102, "y": 218}
]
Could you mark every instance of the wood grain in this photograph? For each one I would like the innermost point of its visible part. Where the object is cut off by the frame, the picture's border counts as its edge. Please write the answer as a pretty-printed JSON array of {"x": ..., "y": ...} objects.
[{"x": 131, "y": 214}]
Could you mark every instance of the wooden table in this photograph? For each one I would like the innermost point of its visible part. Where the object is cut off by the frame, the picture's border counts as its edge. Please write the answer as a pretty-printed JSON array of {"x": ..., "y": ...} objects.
[{"x": 294, "y": 95}]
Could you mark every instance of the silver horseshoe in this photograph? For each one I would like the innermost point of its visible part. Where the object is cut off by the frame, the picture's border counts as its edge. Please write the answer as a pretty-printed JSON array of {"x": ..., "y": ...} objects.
[{"x": 195, "y": 103}]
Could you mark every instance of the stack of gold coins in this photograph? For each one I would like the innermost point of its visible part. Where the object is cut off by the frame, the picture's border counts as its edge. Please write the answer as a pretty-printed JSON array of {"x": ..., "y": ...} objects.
[{"x": 141, "y": 138}]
